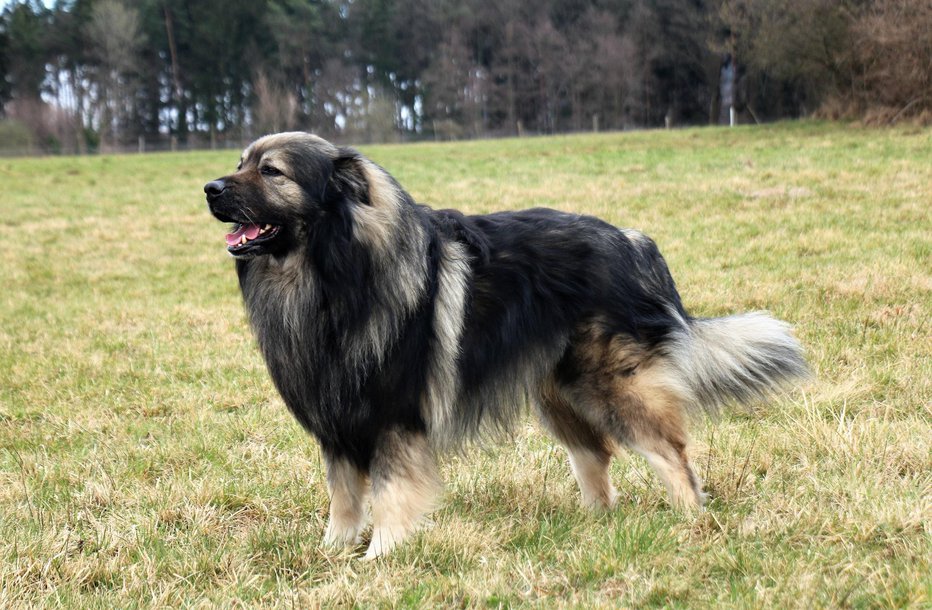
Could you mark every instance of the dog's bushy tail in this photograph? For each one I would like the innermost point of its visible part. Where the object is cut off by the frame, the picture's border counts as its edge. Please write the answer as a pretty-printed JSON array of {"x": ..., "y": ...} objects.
[{"x": 737, "y": 358}]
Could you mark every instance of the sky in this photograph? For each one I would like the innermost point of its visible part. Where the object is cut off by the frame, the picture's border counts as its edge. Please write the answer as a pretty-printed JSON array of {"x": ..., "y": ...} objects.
[{"x": 5, "y": 3}]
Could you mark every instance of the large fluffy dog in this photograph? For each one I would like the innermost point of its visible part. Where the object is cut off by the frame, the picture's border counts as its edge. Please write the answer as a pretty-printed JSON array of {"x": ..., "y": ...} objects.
[{"x": 393, "y": 330}]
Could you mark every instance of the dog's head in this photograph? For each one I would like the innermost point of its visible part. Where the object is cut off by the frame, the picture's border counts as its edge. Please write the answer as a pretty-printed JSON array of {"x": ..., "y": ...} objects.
[{"x": 283, "y": 184}]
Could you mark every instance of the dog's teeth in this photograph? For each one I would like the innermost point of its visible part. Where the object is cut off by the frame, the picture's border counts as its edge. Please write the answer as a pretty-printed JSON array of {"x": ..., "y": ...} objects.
[
  {"x": 266, "y": 227},
  {"x": 243, "y": 240}
]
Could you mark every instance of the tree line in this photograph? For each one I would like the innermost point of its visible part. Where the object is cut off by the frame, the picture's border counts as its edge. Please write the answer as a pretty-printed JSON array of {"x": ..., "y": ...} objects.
[{"x": 104, "y": 74}]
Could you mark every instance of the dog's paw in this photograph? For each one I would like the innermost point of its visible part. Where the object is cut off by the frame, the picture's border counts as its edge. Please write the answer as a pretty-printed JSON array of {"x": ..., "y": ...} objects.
[
  {"x": 384, "y": 539},
  {"x": 602, "y": 501},
  {"x": 343, "y": 535}
]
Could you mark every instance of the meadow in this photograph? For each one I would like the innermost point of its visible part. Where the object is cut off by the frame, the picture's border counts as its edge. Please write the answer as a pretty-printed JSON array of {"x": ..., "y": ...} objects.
[{"x": 146, "y": 461}]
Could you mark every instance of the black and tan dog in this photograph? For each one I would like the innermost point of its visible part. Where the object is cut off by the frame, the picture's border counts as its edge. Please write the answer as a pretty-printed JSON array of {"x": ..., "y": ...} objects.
[{"x": 394, "y": 331}]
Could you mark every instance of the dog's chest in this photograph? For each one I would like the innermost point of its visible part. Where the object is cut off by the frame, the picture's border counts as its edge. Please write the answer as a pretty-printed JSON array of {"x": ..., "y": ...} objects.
[{"x": 281, "y": 305}]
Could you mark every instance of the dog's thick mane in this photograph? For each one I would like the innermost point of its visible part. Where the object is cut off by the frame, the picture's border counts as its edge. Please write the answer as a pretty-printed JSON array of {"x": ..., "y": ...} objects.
[{"x": 366, "y": 274}]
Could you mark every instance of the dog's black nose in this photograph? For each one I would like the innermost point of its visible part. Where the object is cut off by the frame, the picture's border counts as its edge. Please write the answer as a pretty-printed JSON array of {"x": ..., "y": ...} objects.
[{"x": 215, "y": 187}]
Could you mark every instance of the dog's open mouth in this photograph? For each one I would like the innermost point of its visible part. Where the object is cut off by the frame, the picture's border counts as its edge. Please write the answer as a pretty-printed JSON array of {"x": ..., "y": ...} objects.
[{"x": 247, "y": 237}]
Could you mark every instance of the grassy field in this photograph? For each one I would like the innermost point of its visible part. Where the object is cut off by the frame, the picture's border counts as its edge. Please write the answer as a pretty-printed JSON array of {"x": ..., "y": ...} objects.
[{"x": 145, "y": 460}]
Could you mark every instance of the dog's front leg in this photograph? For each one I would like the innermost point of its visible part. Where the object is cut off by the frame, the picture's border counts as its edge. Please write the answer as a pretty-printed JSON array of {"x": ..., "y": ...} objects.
[
  {"x": 348, "y": 488},
  {"x": 405, "y": 487}
]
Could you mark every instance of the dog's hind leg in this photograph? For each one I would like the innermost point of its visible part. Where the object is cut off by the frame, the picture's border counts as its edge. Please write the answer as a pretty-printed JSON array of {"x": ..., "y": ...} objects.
[
  {"x": 649, "y": 415},
  {"x": 405, "y": 487},
  {"x": 636, "y": 398},
  {"x": 348, "y": 488},
  {"x": 590, "y": 452}
]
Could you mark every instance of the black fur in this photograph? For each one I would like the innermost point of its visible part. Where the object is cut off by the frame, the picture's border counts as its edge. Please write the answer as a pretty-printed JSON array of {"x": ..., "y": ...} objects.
[{"x": 538, "y": 274}]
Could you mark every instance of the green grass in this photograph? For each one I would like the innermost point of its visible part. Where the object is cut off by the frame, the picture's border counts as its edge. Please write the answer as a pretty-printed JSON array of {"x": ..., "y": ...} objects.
[{"x": 146, "y": 461}]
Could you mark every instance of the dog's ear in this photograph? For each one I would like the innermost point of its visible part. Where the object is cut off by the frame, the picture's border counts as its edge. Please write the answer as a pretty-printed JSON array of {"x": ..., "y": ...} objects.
[{"x": 349, "y": 177}]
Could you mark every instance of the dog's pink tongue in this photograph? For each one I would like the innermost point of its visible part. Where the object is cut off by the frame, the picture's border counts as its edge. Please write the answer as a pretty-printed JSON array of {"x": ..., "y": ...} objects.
[{"x": 251, "y": 231}]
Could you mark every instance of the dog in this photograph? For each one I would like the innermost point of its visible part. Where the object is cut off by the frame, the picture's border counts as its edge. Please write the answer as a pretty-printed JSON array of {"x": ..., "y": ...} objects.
[{"x": 395, "y": 332}]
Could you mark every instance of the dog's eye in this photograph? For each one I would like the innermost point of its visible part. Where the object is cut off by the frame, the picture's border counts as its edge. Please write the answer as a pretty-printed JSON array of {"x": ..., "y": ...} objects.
[{"x": 268, "y": 170}]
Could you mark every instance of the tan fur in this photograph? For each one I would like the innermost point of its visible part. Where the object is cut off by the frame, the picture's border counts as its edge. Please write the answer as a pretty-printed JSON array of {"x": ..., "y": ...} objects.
[
  {"x": 589, "y": 450},
  {"x": 637, "y": 237},
  {"x": 377, "y": 225},
  {"x": 405, "y": 487},
  {"x": 275, "y": 157},
  {"x": 659, "y": 434},
  {"x": 348, "y": 488},
  {"x": 567, "y": 422},
  {"x": 449, "y": 312},
  {"x": 591, "y": 472},
  {"x": 375, "y": 222},
  {"x": 634, "y": 397},
  {"x": 283, "y": 139}
]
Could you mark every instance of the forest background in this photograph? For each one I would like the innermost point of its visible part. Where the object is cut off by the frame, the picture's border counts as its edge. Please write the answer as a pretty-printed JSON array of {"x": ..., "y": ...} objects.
[{"x": 106, "y": 75}]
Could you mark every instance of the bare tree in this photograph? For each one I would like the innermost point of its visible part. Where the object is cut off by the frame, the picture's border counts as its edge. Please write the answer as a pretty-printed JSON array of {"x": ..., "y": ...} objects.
[
  {"x": 114, "y": 38},
  {"x": 802, "y": 43},
  {"x": 893, "y": 51},
  {"x": 454, "y": 89},
  {"x": 276, "y": 107}
]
